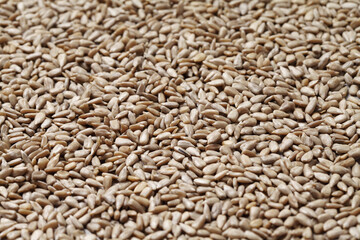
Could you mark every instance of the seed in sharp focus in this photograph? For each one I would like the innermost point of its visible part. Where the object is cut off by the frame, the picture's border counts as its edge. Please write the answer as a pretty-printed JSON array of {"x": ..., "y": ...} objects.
[
  {"x": 214, "y": 137},
  {"x": 199, "y": 57},
  {"x": 39, "y": 118}
]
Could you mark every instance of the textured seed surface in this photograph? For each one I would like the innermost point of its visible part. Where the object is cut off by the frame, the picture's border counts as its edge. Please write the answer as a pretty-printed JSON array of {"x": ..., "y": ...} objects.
[{"x": 216, "y": 119}]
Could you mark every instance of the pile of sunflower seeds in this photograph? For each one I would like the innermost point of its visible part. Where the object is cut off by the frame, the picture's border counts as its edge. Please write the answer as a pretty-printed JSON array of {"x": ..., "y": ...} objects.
[{"x": 157, "y": 119}]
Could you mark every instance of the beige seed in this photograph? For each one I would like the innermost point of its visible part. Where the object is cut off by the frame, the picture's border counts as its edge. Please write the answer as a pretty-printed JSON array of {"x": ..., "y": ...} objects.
[
  {"x": 199, "y": 57},
  {"x": 214, "y": 137},
  {"x": 307, "y": 157},
  {"x": 355, "y": 153},
  {"x": 322, "y": 177},
  {"x": 39, "y": 118}
]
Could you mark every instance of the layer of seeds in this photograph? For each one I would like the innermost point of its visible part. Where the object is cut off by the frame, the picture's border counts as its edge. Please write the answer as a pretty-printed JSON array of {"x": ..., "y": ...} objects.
[{"x": 157, "y": 119}]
